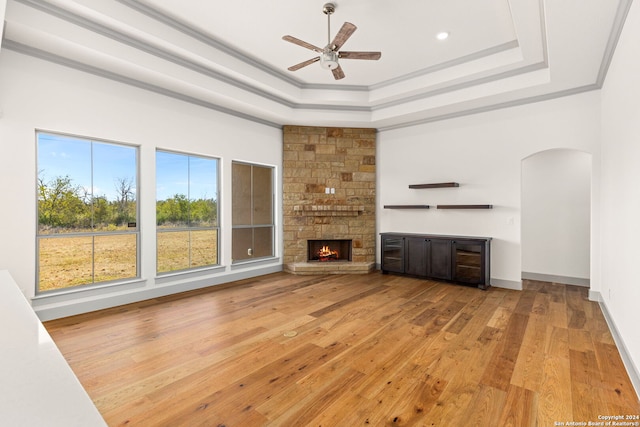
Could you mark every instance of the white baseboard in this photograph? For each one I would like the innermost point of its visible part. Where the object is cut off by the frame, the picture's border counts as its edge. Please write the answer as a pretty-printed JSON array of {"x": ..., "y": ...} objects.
[
  {"x": 515, "y": 285},
  {"x": 577, "y": 281},
  {"x": 595, "y": 296},
  {"x": 632, "y": 370}
]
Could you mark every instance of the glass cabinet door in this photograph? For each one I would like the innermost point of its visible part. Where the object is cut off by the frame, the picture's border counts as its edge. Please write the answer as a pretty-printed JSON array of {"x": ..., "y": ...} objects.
[
  {"x": 468, "y": 266},
  {"x": 393, "y": 254}
]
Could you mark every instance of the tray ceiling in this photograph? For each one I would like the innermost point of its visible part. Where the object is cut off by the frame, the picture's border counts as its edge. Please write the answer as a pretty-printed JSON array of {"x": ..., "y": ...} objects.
[{"x": 231, "y": 57}]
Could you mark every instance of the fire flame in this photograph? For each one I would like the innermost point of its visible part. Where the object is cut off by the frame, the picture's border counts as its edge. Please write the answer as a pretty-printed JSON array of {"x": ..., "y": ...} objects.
[{"x": 326, "y": 253}]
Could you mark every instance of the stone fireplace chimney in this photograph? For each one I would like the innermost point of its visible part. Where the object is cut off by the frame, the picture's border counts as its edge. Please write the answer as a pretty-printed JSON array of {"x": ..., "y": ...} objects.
[{"x": 329, "y": 191}]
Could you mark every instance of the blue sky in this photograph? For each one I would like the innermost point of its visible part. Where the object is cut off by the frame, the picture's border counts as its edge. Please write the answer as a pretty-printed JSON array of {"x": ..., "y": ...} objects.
[
  {"x": 59, "y": 156},
  {"x": 196, "y": 177}
]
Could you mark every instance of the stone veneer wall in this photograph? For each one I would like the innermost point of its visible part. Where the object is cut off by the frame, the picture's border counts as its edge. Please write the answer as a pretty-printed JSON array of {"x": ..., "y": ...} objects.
[{"x": 316, "y": 158}]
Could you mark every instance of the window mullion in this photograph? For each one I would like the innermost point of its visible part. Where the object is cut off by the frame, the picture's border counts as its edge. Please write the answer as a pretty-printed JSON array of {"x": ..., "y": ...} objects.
[
  {"x": 93, "y": 225},
  {"x": 189, "y": 246}
]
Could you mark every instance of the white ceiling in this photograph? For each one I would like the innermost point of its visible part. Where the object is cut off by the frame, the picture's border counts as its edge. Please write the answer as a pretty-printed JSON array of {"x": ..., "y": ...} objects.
[{"x": 230, "y": 56}]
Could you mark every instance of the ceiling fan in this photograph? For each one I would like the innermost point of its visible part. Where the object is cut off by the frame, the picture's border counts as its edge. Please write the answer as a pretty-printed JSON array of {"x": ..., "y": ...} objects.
[{"x": 329, "y": 55}]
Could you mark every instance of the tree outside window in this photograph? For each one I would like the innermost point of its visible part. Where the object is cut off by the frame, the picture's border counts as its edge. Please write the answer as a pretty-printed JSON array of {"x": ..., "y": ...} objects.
[
  {"x": 186, "y": 211},
  {"x": 87, "y": 212}
]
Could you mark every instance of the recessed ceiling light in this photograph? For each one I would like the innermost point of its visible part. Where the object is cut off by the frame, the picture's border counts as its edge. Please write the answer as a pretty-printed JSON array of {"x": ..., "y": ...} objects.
[{"x": 443, "y": 35}]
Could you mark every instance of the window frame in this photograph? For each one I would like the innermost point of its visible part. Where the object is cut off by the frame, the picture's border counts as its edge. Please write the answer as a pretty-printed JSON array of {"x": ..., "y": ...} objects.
[
  {"x": 188, "y": 228},
  {"x": 254, "y": 226},
  {"x": 135, "y": 230}
]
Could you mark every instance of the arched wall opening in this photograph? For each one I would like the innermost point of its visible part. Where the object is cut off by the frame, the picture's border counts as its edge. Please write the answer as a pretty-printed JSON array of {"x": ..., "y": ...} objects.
[{"x": 556, "y": 216}]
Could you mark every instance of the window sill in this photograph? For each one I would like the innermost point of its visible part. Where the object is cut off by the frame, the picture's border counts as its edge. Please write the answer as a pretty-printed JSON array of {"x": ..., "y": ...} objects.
[
  {"x": 254, "y": 262},
  {"x": 163, "y": 278},
  {"x": 89, "y": 291}
]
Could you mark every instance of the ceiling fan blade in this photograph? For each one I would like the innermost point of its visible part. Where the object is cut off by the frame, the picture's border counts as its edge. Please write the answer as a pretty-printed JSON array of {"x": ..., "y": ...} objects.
[
  {"x": 299, "y": 42},
  {"x": 338, "y": 73},
  {"x": 360, "y": 55},
  {"x": 304, "y": 64},
  {"x": 343, "y": 35}
]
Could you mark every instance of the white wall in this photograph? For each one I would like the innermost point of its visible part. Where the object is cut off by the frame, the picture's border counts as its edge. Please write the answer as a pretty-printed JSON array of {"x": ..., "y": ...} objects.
[
  {"x": 556, "y": 216},
  {"x": 3, "y": 9},
  {"x": 483, "y": 153},
  {"x": 620, "y": 186},
  {"x": 40, "y": 95}
]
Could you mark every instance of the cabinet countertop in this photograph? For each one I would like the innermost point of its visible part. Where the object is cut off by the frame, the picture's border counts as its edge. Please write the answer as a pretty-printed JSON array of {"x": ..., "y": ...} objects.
[
  {"x": 38, "y": 386},
  {"x": 436, "y": 236}
]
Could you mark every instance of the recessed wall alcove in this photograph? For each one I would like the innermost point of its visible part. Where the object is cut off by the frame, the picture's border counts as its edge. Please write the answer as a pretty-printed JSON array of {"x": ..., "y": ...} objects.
[
  {"x": 329, "y": 180},
  {"x": 556, "y": 216}
]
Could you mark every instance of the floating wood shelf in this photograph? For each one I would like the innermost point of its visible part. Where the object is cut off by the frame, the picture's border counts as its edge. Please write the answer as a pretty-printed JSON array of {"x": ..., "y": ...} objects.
[
  {"x": 406, "y": 206},
  {"x": 437, "y": 185},
  {"x": 465, "y": 206}
]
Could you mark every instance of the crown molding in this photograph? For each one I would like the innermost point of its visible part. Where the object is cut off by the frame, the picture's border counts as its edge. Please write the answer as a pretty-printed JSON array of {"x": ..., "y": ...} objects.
[{"x": 93, "y": 22}]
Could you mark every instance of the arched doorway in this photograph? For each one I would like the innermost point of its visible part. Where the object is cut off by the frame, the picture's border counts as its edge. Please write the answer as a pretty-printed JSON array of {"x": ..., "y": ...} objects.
[{"x": 556, "y": 216}]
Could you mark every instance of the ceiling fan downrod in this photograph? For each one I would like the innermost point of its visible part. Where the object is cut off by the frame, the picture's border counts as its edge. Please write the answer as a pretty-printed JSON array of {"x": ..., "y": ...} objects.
[
  {"x": 328, "y": 9},
  {"x": 329, "y": 58}
]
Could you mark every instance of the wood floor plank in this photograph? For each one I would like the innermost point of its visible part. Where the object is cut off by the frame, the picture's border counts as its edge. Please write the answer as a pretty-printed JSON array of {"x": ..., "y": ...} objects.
[
  {"x": 558, "y": 343},
  {"x": 541, "y": 304},
  {"x": 455, "y": 398},
  {"x": 554, "y": 397},
  {"x": 525, "y": 302},
  {"x": 342, "y": 303},
  {"x": 529, "y": 368},
  {"x": 364, "y": 350},
  {"x": 500, "y": 368},
  {"x": 575, "y": 297},
  {"x": 519, "y": 409},
  {"x": 613, "y": 375},
  {"x": 558, "y": 314},
  {"x": 486, "y": 407},
  {"x": 303, "y": 411},
  {"x": 412, "y": 403},
  {"x": 584, "y": 368},
  {"x": 500, "y": 318}
]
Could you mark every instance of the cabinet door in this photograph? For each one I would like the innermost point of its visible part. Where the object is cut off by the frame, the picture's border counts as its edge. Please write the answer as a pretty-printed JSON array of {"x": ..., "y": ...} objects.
[
  {"x": 392, "y": 254},
  {"x": 439, "y": 266},
  {"x": 416, "y": 256},
  {"x": 468, "y": 261}
]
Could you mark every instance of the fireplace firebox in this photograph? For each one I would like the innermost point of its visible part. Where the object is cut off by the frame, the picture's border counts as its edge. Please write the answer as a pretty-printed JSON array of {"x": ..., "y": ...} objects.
[{"x": 329, "y": 250}]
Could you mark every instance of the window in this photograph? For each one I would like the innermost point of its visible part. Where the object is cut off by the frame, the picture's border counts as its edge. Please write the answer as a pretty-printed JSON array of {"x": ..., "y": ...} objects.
[
  {"x": 186, "y": 211},
  {"x": 252, "y": 206},
  {"x": 87, "y": 212}
]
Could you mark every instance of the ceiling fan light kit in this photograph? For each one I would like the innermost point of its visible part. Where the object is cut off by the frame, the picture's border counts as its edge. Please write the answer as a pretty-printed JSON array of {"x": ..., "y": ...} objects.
[
  {"x": 329, "y": 60},
  {"x": 330, "y": 54}
]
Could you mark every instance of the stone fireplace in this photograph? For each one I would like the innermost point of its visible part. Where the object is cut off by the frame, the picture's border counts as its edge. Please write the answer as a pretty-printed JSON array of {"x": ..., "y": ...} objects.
[{"x": 329, "y": 177}]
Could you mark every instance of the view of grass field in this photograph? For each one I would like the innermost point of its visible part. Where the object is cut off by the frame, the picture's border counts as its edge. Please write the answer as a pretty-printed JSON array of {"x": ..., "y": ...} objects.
[
  {"x": 173, "y": 249},
  {"x": 66, "y": 261},
  {"x": 88, "y": 211}
]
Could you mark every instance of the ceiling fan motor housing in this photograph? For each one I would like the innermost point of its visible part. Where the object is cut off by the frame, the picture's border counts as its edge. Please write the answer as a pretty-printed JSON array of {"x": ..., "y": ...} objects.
[{"x": 329, "y": 60}]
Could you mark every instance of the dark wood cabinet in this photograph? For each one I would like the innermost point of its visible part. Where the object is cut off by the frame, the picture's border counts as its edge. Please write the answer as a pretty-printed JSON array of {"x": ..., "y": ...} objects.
[
  {"x": 393, "y": 254},
  {"x": 440, "y": 259},
  {"x": 470, "y": 262},
  {"x": 459, "y": 259}
]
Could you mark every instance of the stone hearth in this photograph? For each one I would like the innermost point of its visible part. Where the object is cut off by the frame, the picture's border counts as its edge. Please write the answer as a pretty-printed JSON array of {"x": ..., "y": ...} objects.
[{"x": 329, "y": 178}]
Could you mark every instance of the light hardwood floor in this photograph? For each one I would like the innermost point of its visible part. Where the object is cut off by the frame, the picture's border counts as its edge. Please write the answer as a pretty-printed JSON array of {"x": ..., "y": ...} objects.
[{"x": 368, "y": 350}]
